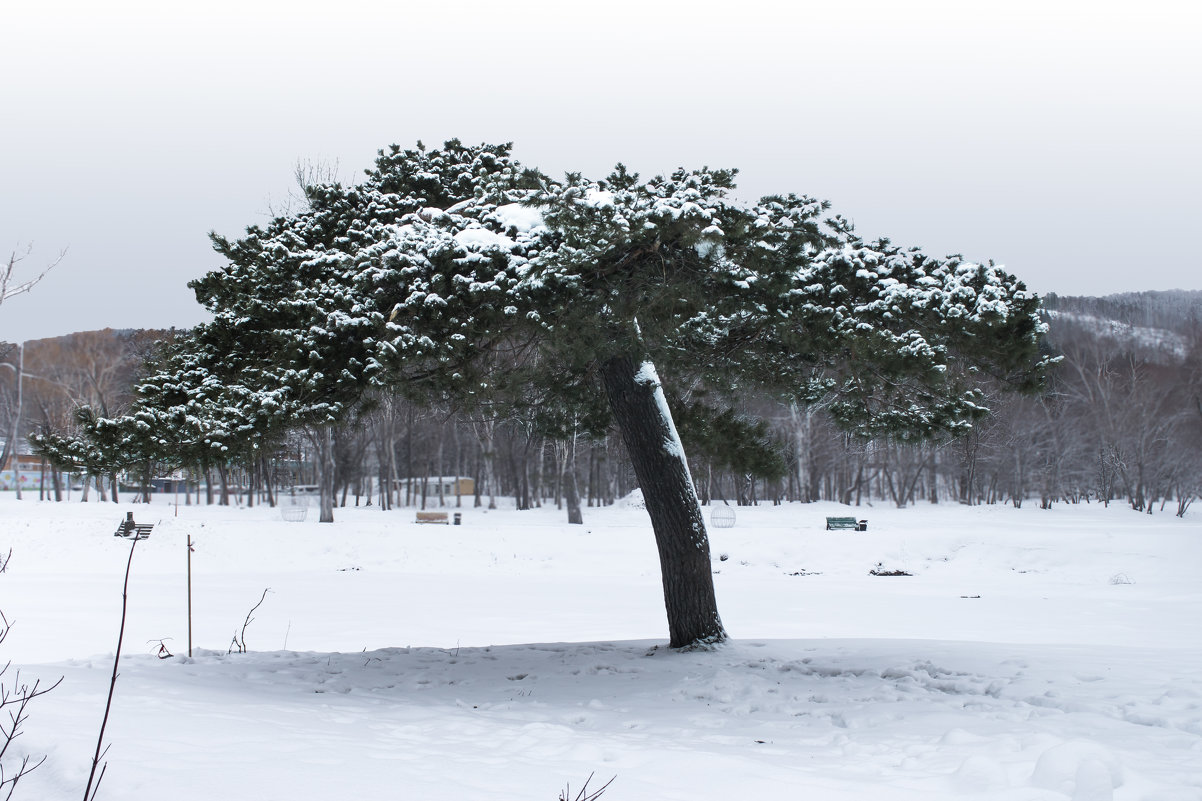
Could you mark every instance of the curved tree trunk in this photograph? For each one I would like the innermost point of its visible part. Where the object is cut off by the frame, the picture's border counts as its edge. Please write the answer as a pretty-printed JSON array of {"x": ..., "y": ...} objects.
[{"x": 642, "y": 415}]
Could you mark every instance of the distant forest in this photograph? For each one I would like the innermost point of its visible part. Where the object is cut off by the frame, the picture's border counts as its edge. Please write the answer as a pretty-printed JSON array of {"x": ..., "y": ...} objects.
[{"x": 1120, "y": 420}]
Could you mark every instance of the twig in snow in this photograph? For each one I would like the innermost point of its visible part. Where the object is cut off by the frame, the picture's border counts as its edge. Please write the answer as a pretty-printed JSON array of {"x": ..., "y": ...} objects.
[
  {"x": 240, "y": 643},
  {"x": 89, "y": 793},
  {"x": 161, "y": 652},
  {"x": 584, "y": 794}
]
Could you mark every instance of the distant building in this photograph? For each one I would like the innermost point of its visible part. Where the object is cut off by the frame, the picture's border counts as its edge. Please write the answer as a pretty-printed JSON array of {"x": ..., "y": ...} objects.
[
  {"x": 25, "y": 461},
  {"x": 28, "y": 473},
  {"x": 450, "y": 486},
  {"x": 172, "y": 484}
]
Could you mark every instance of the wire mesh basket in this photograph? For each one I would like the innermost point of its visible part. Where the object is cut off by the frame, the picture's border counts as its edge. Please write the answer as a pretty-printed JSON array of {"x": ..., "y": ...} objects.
[
  {"x": 294, "y": 508},
  {"x": 722, "y": 517}
]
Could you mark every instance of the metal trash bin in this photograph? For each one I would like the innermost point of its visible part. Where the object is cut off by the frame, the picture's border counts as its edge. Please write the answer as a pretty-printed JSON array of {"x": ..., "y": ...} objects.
[{"x": 458, "y": 517}]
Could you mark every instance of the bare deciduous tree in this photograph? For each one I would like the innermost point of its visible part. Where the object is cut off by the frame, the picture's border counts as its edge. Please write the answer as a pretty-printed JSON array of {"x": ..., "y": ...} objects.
[
  {"x": 10, "y": 286},
  {"x": 15, "y": 697}
]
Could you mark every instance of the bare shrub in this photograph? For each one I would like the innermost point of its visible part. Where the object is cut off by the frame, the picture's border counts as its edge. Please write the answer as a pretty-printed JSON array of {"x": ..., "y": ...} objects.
[
  {"x": 15, "y": 698},
  {"x": 584, "y": 794},
  {"x": 239, "y": 641}
]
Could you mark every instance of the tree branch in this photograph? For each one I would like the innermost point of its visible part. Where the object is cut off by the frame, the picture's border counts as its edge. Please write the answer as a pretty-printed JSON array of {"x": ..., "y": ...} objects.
[{"x": 8, "y": 289}]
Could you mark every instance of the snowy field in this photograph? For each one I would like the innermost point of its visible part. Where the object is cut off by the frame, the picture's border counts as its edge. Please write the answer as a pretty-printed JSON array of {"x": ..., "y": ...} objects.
[{"x": 1030, "y": 655}]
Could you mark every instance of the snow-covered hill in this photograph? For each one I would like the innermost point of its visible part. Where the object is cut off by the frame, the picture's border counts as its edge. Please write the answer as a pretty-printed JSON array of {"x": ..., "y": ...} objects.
[
  {"x": 1029, "y": 655},
  {"x": 1144, "y": 339},
  {"x": 1156, "y": 326}
]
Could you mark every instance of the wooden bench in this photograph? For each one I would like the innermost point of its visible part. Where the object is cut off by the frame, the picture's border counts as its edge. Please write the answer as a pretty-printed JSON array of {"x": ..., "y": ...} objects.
[
  {"x": 433, "y": 517},
  {"x": 128, "y": 528},
  {"x": 846, "y": 524}
]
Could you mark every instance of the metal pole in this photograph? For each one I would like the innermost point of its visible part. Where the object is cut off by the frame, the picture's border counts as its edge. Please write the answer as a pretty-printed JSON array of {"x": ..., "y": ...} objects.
[{"x": 189, "y": 596}]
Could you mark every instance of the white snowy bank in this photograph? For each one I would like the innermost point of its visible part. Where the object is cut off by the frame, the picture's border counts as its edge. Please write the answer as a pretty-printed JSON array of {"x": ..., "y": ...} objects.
[{"x": 1030, "y": 655}]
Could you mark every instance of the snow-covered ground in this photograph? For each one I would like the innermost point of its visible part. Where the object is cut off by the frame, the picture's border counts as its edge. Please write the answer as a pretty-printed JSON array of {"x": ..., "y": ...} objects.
[{"x": 1031, "y": 655}]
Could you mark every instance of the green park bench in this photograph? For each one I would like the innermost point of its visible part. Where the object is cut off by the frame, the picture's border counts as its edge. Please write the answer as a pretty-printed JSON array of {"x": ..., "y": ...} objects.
[{"x": 846, "y": 524}]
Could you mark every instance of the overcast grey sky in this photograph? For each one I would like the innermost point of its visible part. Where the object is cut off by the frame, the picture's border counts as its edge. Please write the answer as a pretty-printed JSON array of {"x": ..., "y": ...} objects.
[{"x": 1061, "y": 139}]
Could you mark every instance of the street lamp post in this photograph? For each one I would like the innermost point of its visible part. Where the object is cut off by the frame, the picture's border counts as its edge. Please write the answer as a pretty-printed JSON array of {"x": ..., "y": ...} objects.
[
  {"x": 21, "y": 375},
  {"x": 13, "y": 449}
]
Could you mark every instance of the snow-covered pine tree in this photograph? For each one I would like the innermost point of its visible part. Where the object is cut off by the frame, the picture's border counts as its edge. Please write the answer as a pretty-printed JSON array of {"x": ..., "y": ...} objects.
[
  {"x": 202, "y": 406},
  {"x": 98, "y": 448},
  {"x": 291, "y": 339},
  {"x": 296, "y": 317},
  {"x": 611, "y": 282},
  {"x": 456, "y": 274}
]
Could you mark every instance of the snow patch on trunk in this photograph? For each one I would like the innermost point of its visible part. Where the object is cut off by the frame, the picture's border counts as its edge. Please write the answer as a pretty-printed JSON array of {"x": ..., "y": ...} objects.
[{"x": 672, "y": 445}]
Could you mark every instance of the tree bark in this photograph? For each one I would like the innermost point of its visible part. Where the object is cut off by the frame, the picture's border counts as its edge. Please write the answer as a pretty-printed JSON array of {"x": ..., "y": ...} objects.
[
  {"x": 250, "y": 485},
  {"x": 572, "y": 491},
  {"x": 268, "y": 475},
  {"x": 572, "y": 488},
  {"x": 325, "y": 472},
  {"x": 56, "y": 477},
  {"x": 458, "y": 466},
  {"x": 486, "y": 435},
  {"x": 646, "y": 426}
]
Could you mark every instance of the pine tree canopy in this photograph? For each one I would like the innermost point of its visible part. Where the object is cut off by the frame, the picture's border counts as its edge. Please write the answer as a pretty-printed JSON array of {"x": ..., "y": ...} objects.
[
  {"x": 458, "y": 274},
  {"x": 520, "y": 289}
]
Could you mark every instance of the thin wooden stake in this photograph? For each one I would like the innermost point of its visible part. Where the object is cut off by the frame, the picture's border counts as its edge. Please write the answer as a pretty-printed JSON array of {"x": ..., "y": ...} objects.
[{"x": 190, "y": 596}]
